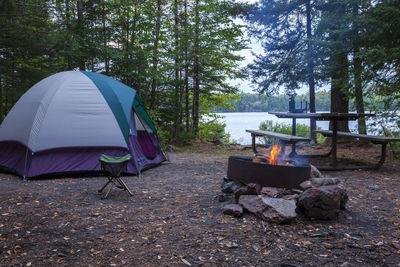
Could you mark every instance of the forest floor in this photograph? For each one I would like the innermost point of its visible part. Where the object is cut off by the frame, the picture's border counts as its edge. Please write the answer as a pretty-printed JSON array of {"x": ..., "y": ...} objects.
[{"x": 175, "y": 219}]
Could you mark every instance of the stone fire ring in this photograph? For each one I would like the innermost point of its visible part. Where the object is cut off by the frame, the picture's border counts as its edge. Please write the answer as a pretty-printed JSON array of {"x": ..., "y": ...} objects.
[{"x": 243, "y": 169}]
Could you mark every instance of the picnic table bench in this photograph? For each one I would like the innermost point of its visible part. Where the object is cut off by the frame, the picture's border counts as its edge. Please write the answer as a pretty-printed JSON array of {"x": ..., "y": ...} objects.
[
  {"x": 282, "y": 138},
  {"x": 382, "y": 140}
]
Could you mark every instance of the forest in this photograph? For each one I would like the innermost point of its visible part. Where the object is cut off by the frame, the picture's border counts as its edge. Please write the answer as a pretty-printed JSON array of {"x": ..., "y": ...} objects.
[
  {"x": 247, "y": 102},
  {"x": 180, "y": 55}
]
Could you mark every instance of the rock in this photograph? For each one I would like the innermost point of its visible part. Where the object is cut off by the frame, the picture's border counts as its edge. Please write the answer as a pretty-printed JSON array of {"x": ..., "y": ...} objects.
[
  {"x": 274, "y": 210},
  {"x": 291, "y": 197},
  {"x": 233, "y": 209},
  {"x": 321, "y": 202},
  {"x": 249, "y": 189},
  {"x": 228, "y": 186},
  {"x": 269, "y": 191},
  {"x": 343, "y": 196},
  {"x": 305, "y": 185},
  {"x": 373, "y": 187},
  {"x": 296, "y": 191},
  {"x": 254, "y": 189},
  {"x": 224, "y": 197},
  {"x": 315, "y": 173},
  {"x": 324, "y": 181}
]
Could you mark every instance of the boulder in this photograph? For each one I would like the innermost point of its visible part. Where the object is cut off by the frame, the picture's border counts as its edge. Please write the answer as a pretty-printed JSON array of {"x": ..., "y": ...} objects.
[
  {"x": 228, "y": 186},
  {"x": 233, "y": 210},
  {"x": 305, "y": 185},
  {"x": 324, "y": 181},
  {"x": 274, "y": 210},
  {"x": 315, "y": 173},
  {"x": 249, "y": 189},
  {"x": 269, "y": 191},
  {"x": 322, "y": 202}
]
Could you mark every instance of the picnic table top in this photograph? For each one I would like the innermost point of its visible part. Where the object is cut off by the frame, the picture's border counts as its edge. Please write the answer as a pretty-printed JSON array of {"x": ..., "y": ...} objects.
[
  {"x": 281, "y": 136},
  {"x": 322, "y": 115}
]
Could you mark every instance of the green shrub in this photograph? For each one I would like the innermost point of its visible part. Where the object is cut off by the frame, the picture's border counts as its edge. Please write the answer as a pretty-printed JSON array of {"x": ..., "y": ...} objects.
[
  {"x": 301, "y": 130},
  {"x": 213, "y": 131}
]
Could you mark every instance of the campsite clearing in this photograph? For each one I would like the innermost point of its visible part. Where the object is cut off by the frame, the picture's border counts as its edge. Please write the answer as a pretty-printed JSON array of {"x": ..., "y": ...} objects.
[{"x": 175, "y": 219}]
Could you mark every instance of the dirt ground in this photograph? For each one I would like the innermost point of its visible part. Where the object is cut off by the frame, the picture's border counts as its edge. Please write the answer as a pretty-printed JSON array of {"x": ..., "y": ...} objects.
[{"x": 175, "y": 219}]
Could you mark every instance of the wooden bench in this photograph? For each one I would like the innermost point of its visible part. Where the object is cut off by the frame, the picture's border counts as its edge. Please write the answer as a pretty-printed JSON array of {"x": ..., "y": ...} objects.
[
  {"x": 283, "y": 140},
  {"x": 382, "y": 140}
]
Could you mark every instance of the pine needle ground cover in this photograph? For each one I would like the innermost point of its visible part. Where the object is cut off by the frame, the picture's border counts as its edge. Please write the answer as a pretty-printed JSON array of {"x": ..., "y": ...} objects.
[{"x": 175, "y": 219}]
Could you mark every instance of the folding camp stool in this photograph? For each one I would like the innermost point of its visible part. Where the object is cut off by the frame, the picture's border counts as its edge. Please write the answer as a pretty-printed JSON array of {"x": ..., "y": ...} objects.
[{"x": 113, "y": 167}]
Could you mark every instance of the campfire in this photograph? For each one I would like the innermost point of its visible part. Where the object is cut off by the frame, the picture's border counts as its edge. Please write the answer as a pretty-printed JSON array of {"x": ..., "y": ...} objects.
[
  {"x": 275, "y": 157},
  {"x": 270, "y": 169}
]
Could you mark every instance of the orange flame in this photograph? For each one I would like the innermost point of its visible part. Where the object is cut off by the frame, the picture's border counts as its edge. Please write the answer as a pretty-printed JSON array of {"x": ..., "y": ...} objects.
[{"x": 274, "y": 154}]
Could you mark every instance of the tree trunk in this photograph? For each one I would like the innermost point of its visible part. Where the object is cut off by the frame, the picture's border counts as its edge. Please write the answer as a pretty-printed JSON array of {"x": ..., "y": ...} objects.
[
  {"x": 339, "y": 87},
  {"x": 178, "y": 97},
  {"x": 68, "y": 22},
  {"x": 186, "y": 82},
  {"x": 310, "y": 70},
  {"x": 80, "y": 29},
  {"x": 339, "y": 66},
  {"x": 196, "y": 71},
  {"x": 358, "y": 92},
  {"x": 106, "y": 59},
  {"x": 155, "y": 56}
]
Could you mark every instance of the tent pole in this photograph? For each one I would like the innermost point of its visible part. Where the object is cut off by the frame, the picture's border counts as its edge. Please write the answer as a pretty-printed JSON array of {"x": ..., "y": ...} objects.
[{"x": 26, "y": 164}]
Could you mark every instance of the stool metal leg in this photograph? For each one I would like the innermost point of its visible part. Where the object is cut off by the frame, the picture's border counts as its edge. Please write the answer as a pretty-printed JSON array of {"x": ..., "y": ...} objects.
[
  {"x": 108, "y": 191},
  {"x": 124, "y": 185}
]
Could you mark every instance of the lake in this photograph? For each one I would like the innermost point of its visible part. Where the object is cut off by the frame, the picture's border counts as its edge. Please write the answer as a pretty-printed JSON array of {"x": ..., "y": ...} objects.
[{"x": 238, "y": 122}]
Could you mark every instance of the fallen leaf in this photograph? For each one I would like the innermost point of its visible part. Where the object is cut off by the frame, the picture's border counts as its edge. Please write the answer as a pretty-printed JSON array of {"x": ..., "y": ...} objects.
[{"x": 186, "y": 262}]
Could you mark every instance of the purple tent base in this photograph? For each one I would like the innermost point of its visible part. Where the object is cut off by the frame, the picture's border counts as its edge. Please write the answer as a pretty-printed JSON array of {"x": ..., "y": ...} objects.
[{"x": 16, "y": 157}]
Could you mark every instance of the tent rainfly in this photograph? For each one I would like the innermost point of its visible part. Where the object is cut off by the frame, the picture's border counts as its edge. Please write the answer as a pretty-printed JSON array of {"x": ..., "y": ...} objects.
[{"x": 66, "y": 121}]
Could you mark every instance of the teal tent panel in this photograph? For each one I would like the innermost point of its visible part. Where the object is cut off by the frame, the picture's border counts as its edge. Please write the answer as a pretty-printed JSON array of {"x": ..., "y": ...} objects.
[{"x": 118, "y": 96}]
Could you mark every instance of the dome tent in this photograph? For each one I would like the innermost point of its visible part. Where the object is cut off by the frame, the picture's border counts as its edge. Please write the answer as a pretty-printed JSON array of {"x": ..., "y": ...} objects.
[{"x": 67, "y": 120}]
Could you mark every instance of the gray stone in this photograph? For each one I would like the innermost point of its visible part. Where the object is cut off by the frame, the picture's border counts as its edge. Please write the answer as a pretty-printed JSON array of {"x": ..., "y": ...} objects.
[
  {"x": 321, "y": 202},
  {"x": 305, "y": 185},
  {"x": 233, "y": 210},
  {"x": 228, "y": 186},
  {"x": 315, "y": 173},
  {"x": 324, "y": 181},
  {"x": 269, "y": 191},
  {"x": 249, "y": 189},
  {"x": 274, "y": 210}
]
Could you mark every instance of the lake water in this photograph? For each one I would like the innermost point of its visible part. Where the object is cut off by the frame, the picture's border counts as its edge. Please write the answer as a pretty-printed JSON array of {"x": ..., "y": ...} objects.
[{"x": 238, "y": 122}]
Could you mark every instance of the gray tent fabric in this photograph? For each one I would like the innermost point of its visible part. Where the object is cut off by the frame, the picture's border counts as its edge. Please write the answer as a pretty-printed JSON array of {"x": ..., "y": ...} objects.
[{"x": 86, "y": 119}]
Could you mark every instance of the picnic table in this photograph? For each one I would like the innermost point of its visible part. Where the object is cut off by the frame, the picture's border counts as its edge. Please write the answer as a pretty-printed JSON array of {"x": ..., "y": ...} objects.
[{"x": 334, "y": 133}]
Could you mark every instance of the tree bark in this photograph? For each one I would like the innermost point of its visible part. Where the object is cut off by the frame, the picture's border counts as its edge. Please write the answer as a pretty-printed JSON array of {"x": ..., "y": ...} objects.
[
  {"x": 339, "y": 87},
  {"x": 186, "y": 82},
  {"x": 155, "y": 56},
  {"x": 358, "y": 91},
  {"x": 196, "y": 71},
  {"x": 79, "y": 4},
  {"x": 68, "y": 22},
  {"x": 310, "y": 70},
  {"x": 339, "y": 66},
  {"x": 178, "y": 95},
  {"x": 106, "y": 59}
]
